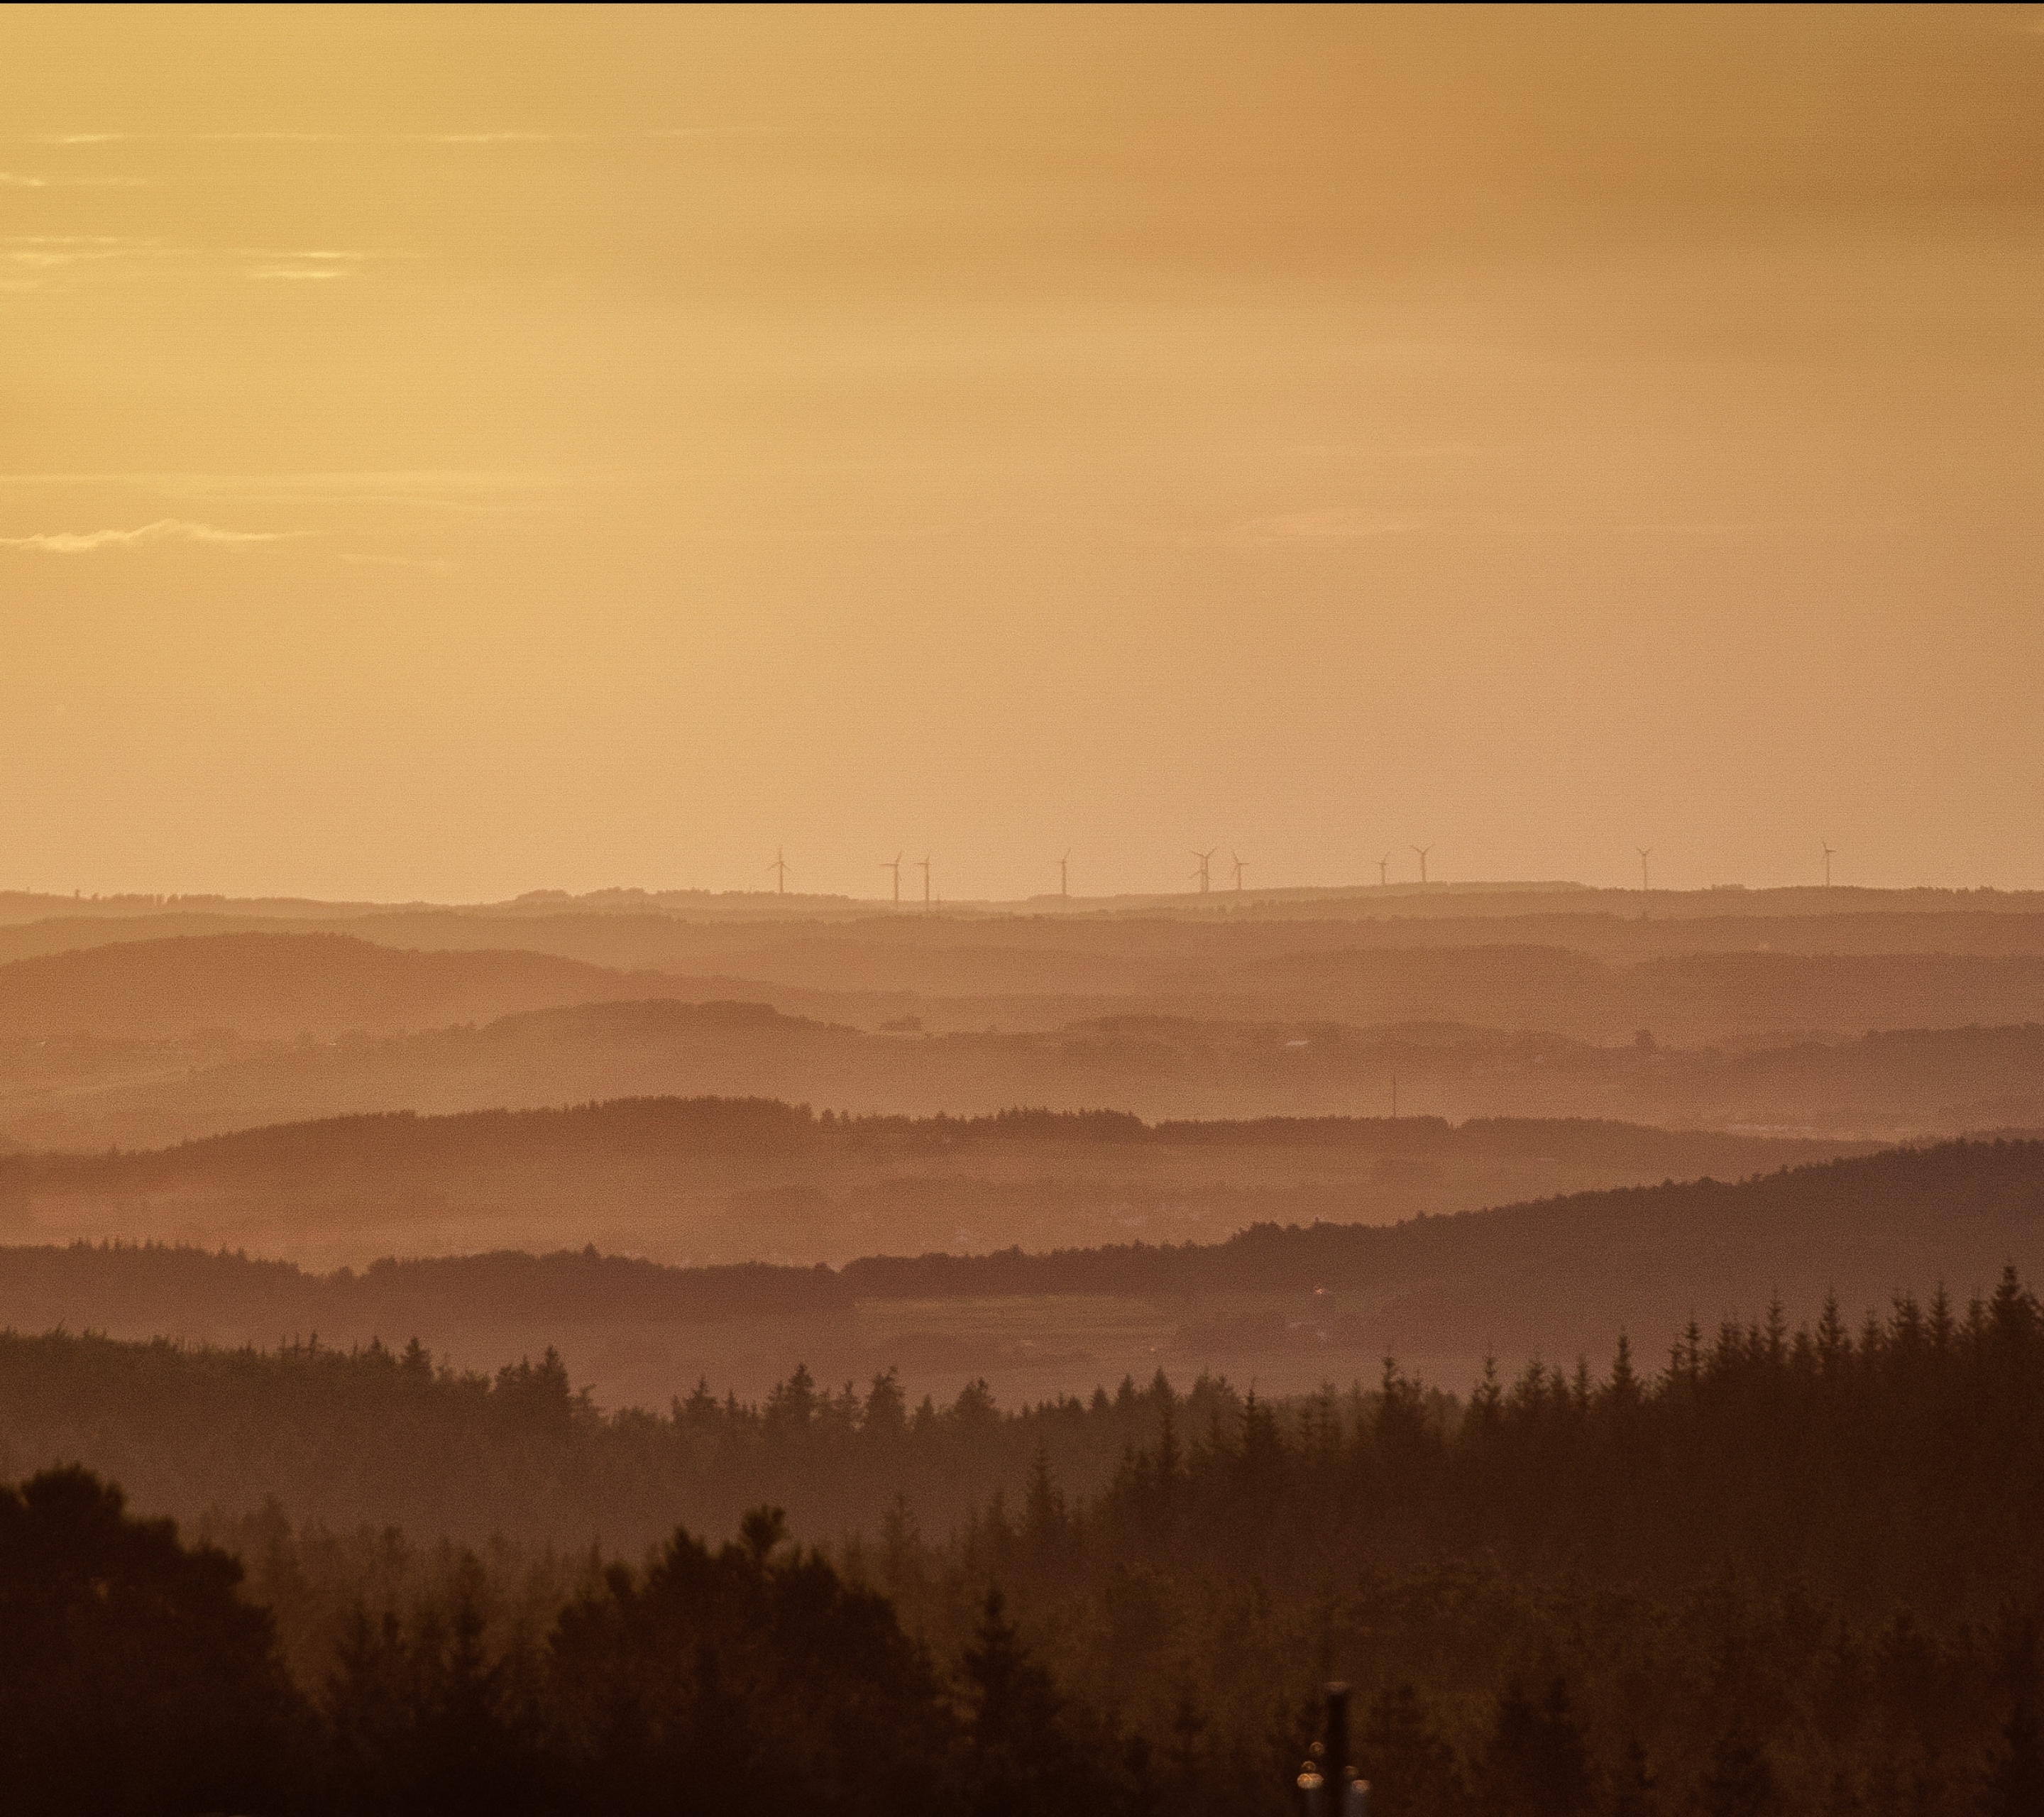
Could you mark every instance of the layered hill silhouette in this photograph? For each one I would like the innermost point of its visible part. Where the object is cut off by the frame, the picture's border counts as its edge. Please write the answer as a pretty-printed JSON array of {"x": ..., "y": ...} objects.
[
  {"x": 1273, "y": 1302},
  {"x": 1592, "y": 977},
  {"x": 91, "y": 1093},
  {"x": 714, "y": 1178},
  {"x": 281, "y": 986}
]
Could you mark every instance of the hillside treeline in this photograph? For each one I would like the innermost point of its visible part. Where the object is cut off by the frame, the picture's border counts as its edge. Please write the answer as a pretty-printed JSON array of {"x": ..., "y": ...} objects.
[
  {"x": 1777, "y": 1572},
  {"x": 681, "y": 1129},
  {"x": 1901, "y": 1200},
  {"x": 383, "y": 1437},
  {"x": 1893, "y": 1200},
  {"x": 85, "y": 1093},
  {"x": 1774, "y": 1572}
]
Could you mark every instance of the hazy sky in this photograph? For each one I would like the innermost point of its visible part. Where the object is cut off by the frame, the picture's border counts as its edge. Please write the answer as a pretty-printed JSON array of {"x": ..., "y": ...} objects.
[{"x": 451, "y": 453}]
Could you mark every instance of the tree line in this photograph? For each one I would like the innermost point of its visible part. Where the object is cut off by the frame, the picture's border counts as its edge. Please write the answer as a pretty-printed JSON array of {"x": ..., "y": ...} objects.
[{"x": 1774, "y": 1571}]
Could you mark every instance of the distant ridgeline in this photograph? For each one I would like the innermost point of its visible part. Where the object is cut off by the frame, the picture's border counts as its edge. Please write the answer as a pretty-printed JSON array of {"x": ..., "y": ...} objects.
[
  {"x": 681, "y": 1129},
  {"x": 1870, "y": 1226}
]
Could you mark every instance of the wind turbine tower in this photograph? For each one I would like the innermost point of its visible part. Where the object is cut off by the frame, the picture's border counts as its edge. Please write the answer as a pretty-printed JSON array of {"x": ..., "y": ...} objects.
[
  {"x": 1065, "y": 878},
  {"x": 924, "y": 862},
  {"x": 894, "y": 865},
  {"x": 1423, "y": 850},
  {"x": 779, "y": 867},
  {"x": 1384, "y": 872},
  {"x": 1239, "y": 868},
  {"x": 1205, "y": 859},
  {"x": 1646, "y": 852},
  {"x": 1828, "y": 856}
]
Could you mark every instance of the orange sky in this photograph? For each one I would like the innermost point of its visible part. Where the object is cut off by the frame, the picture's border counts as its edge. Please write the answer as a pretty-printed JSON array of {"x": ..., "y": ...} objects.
[{"x": 451, "y": 453}]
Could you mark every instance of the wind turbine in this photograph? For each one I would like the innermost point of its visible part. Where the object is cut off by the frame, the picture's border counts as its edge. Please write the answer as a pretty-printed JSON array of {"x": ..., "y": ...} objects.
[
  {"x": 1205, "y": 858},
  {"x": 1828, "y": 866},
  {"x": 1239, "y": 868},
  {"x": 1065, "y": 875},
  {"x": 1423, "y": 850},
  {"x": 1384, "y": 872},
  {"x": 780, "y": 866},
  {"x": 1646, "y": 852},
  {"x": 894, "y": 865},
  {"x": 924, "y": 862}
]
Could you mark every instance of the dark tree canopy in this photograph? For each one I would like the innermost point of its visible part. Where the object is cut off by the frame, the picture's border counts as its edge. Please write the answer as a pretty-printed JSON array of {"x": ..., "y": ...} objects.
[{"x": 135, "y": 1679}]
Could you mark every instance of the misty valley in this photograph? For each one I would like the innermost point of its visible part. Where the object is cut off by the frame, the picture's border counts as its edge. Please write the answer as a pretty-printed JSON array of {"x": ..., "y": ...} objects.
[{"x": 1009, "y": 1360}]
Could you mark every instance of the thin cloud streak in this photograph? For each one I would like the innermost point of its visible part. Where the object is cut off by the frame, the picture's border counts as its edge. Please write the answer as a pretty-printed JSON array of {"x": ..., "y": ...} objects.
[
  {"x": 21, "y": 180},
  {"x": 505, "y": 137},
  {"x": 164, "y": 530}
]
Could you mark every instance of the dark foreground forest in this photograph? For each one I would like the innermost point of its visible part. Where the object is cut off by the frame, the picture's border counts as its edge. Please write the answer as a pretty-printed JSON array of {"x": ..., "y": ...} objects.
[{"x": 1774, "y": 1572}]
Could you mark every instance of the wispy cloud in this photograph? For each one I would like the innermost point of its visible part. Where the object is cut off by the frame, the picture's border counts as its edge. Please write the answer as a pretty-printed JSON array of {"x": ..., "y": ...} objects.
[
  {"x": 164, "y": 530},
  {"x": 21, "y": 180},
  {"x": 315, "y": 264},
  {"x": 52, "y": 254},
  {"x": 41, "y": 250},
  {"x": 178, "y": 138},
  {"x": 508, "y": 136}
]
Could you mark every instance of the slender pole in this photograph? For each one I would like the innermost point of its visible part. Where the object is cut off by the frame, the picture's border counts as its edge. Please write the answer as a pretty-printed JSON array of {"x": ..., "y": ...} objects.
[{"x": 1335, "y": 1771}]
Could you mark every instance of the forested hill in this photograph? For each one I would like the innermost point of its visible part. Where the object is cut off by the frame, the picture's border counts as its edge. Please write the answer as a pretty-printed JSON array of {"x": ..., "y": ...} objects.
[
  {"x": 1542, "y": 1278},
  {"x": 1548, "y": 1277},
  {"x": 391, "y": 1143},
  {"x": 281, "y": 986},
  {"x": 1902, "y": 1206}
]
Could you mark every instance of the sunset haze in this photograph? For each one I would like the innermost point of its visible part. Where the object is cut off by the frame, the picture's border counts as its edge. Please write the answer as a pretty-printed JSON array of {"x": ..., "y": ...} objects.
[{"x": 448, "y": 453}]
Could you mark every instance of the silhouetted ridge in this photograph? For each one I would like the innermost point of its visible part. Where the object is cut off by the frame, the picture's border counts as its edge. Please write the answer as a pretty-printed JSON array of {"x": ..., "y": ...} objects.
[
  {"x": 1901, "y": 1217},
  {"x": 1799, "y": 1214},
  {"x": 283, "y": 984},
  {"x": 655, "y": 1126},
  {"x": 131, "y": 1283},
  {"x": 625, "y": 1126}
]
